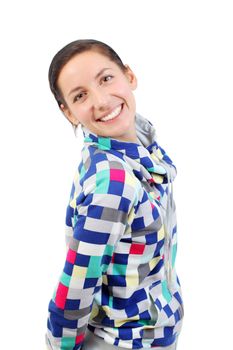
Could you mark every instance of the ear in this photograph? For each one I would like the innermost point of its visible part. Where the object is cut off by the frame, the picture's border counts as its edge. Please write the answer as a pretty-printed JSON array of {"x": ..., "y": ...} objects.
[
  {"x": 131, "y": 77},
  {"x": 68, "y": 114}
]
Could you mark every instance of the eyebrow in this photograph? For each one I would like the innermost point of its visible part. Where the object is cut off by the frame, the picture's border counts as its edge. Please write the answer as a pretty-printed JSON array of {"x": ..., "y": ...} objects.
[{"x": 96, "y": 77}]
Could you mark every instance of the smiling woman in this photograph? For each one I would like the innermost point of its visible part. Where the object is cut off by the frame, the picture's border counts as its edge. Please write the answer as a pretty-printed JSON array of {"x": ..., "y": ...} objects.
[
  {"x": 91, "y": 86},
  {"x": 119, "y": 286},
  {"x": 96, "y": 89}
]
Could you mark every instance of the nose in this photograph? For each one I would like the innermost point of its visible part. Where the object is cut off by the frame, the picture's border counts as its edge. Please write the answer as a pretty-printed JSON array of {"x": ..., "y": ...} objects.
[{"x": 100, "y": 99}]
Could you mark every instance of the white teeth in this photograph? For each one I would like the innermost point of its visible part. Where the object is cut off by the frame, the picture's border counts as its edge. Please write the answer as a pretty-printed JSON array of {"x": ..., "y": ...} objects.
[{"x": 112, "y": 115}]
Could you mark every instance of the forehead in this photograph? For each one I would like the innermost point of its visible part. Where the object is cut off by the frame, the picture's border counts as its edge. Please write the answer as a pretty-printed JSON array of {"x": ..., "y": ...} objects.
[{"x": 84, "y": 66}]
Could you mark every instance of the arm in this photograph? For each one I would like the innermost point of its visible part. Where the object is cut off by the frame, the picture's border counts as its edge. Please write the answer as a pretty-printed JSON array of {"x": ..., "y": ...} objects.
[{"x": 104, "y": 214}]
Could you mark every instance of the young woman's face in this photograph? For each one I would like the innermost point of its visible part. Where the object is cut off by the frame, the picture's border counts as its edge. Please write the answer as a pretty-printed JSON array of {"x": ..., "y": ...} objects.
[{"x": 94, "y": 87}]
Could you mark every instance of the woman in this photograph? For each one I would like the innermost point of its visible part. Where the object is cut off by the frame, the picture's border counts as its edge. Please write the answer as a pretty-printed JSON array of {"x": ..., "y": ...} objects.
[{"x": 118, "y": 288}]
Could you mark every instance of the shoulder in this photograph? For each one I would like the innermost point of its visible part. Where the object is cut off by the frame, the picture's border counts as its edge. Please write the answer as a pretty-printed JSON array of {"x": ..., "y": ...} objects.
[{"x": 105, "y": 173}]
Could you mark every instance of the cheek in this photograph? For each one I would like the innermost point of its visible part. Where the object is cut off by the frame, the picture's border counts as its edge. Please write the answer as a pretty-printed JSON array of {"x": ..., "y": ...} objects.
[
  {"x": 123, "y": 90},
  {"x": 80, "y": 112}
]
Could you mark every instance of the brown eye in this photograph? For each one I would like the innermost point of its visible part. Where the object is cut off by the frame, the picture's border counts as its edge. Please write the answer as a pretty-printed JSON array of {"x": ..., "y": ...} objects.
[
  {"x": 107, "y": 77},
  {"x": 78, "y": 97}
]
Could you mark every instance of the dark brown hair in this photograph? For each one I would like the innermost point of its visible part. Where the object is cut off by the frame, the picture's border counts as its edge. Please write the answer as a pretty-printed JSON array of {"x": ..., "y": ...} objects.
[{"x": 69, "y": 51}]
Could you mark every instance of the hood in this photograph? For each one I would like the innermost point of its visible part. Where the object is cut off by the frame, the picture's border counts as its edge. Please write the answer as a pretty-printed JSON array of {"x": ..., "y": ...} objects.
[{"x": 147, "y": 137}]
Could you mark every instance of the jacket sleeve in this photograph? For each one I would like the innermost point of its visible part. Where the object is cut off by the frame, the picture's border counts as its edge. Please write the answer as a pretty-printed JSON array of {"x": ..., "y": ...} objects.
[{"x": 104, "y": 210}]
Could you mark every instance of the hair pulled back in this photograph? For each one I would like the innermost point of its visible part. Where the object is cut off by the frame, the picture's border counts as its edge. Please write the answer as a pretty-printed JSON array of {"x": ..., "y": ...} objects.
[{"x": 74, "y": 48}]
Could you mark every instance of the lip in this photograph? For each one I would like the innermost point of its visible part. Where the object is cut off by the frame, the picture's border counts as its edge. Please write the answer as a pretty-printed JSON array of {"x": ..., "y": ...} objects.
[{"x": 111, "y": 120}]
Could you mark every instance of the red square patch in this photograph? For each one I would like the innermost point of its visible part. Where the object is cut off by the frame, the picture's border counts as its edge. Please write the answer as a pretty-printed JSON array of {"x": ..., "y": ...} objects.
[
  {"x": 137, "y": 248},
  {"x": 112, "y": 260},
  {"x": 79, "y": 338}
]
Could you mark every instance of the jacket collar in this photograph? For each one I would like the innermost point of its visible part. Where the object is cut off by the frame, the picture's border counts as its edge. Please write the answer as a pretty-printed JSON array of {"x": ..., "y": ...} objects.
[{"x": 146, "y": 157}]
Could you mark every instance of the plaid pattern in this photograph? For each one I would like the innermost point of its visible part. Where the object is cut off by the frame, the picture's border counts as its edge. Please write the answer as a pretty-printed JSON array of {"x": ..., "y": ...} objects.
[{"x": 114, "y": 277}]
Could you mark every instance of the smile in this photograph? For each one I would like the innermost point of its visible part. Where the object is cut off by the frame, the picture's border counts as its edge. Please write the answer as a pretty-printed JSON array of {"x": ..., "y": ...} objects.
[{"x": 112, "y": 115}]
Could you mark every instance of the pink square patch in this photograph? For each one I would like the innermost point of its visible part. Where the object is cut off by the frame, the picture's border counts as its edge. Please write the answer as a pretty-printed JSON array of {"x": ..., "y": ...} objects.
[
  {"x": 71, "y": 256},
  {"x": 117, "y": 175},
  {"x": 61, "y": 295}
]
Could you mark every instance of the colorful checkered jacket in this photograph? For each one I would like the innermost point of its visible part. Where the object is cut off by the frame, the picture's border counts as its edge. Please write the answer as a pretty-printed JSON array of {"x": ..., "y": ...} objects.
[{"x": 119, "y": 278}]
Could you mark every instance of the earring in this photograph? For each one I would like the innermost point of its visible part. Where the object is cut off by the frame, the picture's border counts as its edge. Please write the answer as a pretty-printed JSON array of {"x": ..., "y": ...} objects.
[{"x": 75, "y": 128}]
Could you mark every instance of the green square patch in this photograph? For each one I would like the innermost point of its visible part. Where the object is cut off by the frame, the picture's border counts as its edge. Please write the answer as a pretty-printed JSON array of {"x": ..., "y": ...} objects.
[
  {"x": 165, "y": 291},
  {"x": 108, "y": 250},
  {"x": 67, "y": 343},
  {"x": 102, "y": 181},
  {"x": 174, "y": 250},
  {"x": 104, "y": 143},
  {"x": 94, "y": 269},
  {"x": 65, "y": 279},
  {"x": 119, "y": 269}
]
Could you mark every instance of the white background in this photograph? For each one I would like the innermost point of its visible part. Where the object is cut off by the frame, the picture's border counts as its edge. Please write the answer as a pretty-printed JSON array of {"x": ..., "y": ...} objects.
[{"x": 181, "y": 52}]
